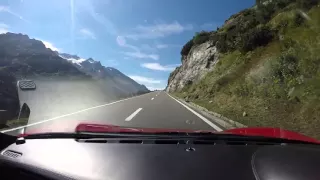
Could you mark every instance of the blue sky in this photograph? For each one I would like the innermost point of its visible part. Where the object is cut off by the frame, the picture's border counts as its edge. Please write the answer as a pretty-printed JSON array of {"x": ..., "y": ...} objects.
[{"x": 141, "y": 38}]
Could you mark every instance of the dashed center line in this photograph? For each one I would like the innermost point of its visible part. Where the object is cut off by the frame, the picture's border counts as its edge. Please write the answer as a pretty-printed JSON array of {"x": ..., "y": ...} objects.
[{"x": 133, "y": 115}]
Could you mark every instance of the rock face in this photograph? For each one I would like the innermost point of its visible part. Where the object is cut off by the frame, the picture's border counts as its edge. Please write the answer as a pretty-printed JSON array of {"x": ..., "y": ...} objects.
[{"x": 199, "y": 61}]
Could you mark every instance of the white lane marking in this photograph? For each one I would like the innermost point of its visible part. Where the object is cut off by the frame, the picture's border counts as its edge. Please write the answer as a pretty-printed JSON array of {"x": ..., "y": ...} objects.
[
  {"x": 2, "y": 110},
  {"x": 152, "y": 99},
  {"x": 199, "y": 115},
  {"x": 133, "y": 114},
  {"x": 58, "y": 117}
]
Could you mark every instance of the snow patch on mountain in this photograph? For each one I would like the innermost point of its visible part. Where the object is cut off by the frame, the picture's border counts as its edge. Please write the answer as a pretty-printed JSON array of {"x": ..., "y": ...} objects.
[{"x": 75, "y": 61}]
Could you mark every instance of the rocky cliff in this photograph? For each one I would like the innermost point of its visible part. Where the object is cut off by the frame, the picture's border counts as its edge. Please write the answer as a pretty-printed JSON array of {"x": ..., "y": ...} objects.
[{"x": 200, "y": 60}]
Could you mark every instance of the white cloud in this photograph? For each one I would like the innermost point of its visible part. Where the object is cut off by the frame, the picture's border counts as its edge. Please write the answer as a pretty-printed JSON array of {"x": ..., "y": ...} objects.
[
  {"x": 158, "y": 30},
  {"x": 141, "y": 55},
  {"x": 88, "y": 7},
  {"x": 3, "y": 28},
  {"x": 87, "y": 33},
  {"x": 50, "y": 45},
  {"x": 142, "y": 79},
  {"x": 159, "y": 67},
  {"x": 8, "y": 10},
  {"x": 121, "y": 41}
]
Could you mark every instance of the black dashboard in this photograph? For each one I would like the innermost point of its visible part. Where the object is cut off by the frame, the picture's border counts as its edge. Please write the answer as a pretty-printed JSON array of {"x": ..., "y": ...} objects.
[{"x": 124, "y": 160}]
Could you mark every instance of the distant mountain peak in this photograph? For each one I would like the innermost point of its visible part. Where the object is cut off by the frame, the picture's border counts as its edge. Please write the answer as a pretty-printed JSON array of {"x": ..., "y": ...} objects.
[
  {"x": 90, "y": 60},
  {"x": 97, "y": 70}
]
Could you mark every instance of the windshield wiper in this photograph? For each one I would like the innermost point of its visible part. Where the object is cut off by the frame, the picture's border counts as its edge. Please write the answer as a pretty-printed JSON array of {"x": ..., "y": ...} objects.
[
  {"x": 194, "y": 138},
  {"x": 75, "y": 135}
]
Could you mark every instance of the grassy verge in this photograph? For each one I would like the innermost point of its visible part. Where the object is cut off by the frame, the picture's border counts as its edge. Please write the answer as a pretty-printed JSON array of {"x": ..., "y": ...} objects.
[{"x": 277, "y": 85}]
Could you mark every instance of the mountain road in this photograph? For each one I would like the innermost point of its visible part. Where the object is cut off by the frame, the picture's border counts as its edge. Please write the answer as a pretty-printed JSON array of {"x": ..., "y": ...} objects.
[{"x": 156, "y": 109}]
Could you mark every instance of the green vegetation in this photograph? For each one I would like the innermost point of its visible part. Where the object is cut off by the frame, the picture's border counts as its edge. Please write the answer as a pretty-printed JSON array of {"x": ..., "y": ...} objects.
[
  {"x": 269, "y": 67},
  {"x": 186, "y": 48}
]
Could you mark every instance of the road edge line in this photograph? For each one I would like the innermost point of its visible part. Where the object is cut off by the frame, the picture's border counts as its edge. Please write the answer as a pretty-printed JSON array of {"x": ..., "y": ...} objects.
[
  {"x": 217, "y": 128},
  {"x": 65, "y": 115}
]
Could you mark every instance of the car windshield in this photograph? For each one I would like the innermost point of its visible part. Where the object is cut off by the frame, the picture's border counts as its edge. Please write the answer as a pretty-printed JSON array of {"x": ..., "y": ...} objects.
[{"x": 160, "y": 66}]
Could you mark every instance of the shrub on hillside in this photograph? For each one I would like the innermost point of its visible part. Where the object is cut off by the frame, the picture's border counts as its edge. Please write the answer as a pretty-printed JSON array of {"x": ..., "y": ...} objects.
[
  {"x": 201, "y": 37},
  {"x": 265, "y": 11},
  {"x": 285, "y": 70},
  {"x": 256, "y": 37},
  {"x": 222, "y": 43},
  {"x": 186, "y": 48},
  {"x": 230, "y": 40},
  {"x": 298, "y": 19},
  {"x": 268, "y": 9},
  {"x": 247, "y": 12}
]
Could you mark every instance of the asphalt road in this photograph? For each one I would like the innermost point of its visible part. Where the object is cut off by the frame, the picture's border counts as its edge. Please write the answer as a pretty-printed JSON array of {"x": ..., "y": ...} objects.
[{"x": 152, "y": 110}]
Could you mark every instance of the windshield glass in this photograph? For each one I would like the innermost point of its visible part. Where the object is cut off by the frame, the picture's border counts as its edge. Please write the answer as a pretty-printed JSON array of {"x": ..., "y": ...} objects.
[{"x": 169, "y": 65}]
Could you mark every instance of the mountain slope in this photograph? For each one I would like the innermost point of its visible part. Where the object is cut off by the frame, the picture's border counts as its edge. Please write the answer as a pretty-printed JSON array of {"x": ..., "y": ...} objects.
[
  {"x": 111, "y": 75},
  {"x": 65, "y": 83},
  {"x": 260, "y": 68},
  {"x": 22, "y": 57}
]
